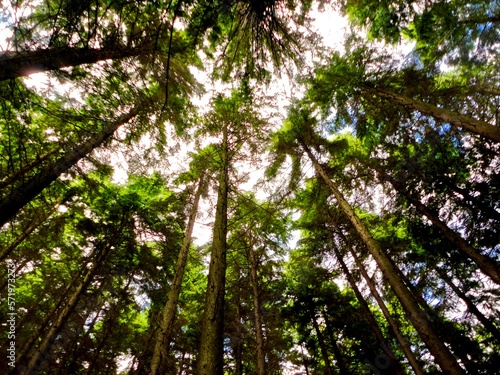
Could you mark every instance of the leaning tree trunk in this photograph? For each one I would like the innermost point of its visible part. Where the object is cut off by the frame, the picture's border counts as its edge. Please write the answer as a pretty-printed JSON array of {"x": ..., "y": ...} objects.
[
  {"x": 169, "y": 311},
  {"x": 394, "y": 363},
  {"x": 322, "y": 346},
  {"x": 69, "y": 307},
  {"x": 487, "y": 323},
  {"x": 485, "y": 264},
  {"x": 441, "y": 353},
  {"x": 15, "y": 64},
  {"x": 31, "y": 228},
  {"x": 211, "y": 352},
  {"x": 28, "y": 344},
  {"x": 20, "y": 174},
  {"x": 11, "y": 204},
  {"x": 261, "y": 361},
  {"x": 341, "y": 360},
  {"x": 405, "y": 346},
  {"x": 479, "y": 127}
]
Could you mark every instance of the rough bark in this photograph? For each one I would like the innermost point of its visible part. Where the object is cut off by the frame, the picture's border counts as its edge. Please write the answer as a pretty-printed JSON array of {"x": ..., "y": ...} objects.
[
  {"x": 20, "y": 64},
  {"x": 405, "y": 346},
  {"x": 170, "y": 309},
  {"x": 261, "y": 361},
  {"x": 479, "y": 127},
  {"x": 11, "y": 204},
  {"x": 441, "y": 353},
  {"x": 211, "y": 352}
]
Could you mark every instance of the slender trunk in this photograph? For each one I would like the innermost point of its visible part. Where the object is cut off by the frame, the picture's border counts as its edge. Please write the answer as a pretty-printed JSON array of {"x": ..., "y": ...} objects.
[
  {"x": 108, "y": 327},
  {"x": 487, "y": 323},
  {"x": 454, "y": 338},
  {"x": 393, "y": 361},
  {"x": 211, "y": 353},
  {"x": 479, "y": 127},
  {"x": 28, "y": 344},
  {"x": 341, "y": 361},
  {"x": 441, "y": 353},
  {"x": 473, "y": 203},
  {"x": 69, "y": 307},
  {"x": 40, "y": 219},
  {"x": 20, "y": 64},
  {"x": 10, "y": 205},
  {"x": 261, "y": 359},
  {"x": 485, "y": 264},
  {"x": 405, "y": 346},
  {"x": 238, "y": 345},
  {"x": 304, "y": 360},
  {"x": 322, "y": 346},
  {"x": 170, "y": 309},
  {"x": 25, "y": 234}
]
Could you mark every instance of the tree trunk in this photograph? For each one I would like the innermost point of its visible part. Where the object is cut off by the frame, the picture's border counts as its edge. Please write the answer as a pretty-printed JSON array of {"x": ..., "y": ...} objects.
[
  {"x": 448, "y": 333},
  {"x": 441, "y": 353},
  {"x": 170, "y": 309},
  {"x": 211, "y": 353},
  {"x": 10, "y": 205},
  {"x": 322, "y": 346},
  {"x": 31, "y": 228},
  {"x": 487, "y": 323},
  {"x": 28, "y": 344},
  {"x": 479, "y": 127},
  {"x": 69, "y": 306},
  {"x": 405, "y": 346},
  {"x": 341, "y": 361},
  {"x": 394, "y": 363},
  {"x": 108, "y": 326},
  {"x": 261, "y": 361},
  {"x": 18, "y": 175},
  {"x": 485, "y": 264},
  {"x": 238, "y": 344},
  {"x": 20, "y": 64}
]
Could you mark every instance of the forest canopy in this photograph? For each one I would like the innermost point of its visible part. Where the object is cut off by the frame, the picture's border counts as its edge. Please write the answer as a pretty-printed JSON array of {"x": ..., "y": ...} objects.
[{"x": 225, "y": 187}]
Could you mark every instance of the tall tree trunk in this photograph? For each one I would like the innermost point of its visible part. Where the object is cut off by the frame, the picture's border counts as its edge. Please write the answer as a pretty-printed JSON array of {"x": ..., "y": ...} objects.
[
  {"x": 39, "y": 220},
  {"x": 487, "y": 323},
  {"x": 479, "y": 127},
  {"x": 211, "y": 352},
  {"x": 30, "y": 341},
  {"x": 405, "y": 346},
  {"x": 395, "y": 366},
  {"x": 169, "y": 310},
  {"x": 15, "y": 64},
  {"x": 441, "y": 353},
  {"x": 322, "y": 346},
  {"x": 485, "y": 264},
  {"x": 11, "y": 204},
  {"x": 448, "y": 333},
  {"x": 108, "y": 326},
  {"x": 238, "y": 344},
  {"x": 259, "y": 335},
  {"x": 341, "y": 360},
  {"x": 70, "y": 305}
]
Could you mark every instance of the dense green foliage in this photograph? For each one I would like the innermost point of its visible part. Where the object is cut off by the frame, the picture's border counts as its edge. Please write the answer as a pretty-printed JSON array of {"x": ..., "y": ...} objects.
[{"x": 356, "y": 233}]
